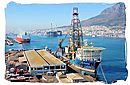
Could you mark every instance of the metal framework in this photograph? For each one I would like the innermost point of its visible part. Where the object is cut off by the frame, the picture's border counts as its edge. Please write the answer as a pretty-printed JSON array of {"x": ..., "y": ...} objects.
[{"x": 76, "y": 35}]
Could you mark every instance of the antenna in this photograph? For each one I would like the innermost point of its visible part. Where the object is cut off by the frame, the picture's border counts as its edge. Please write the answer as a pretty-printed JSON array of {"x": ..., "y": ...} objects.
[{"x": 51, "y": 26}]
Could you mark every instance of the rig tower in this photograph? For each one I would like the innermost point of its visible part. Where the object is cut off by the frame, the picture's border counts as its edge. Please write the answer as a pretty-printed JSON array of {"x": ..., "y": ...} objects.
[{"x": 76, "y": 35}]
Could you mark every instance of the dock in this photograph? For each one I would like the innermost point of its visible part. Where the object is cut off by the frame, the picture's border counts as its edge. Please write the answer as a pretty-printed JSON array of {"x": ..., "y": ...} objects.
[{"x": 43, "y": 63}]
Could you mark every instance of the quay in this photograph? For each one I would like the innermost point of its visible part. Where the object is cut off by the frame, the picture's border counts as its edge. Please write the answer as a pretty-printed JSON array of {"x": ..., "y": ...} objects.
[{"x": 39, "y": 66}]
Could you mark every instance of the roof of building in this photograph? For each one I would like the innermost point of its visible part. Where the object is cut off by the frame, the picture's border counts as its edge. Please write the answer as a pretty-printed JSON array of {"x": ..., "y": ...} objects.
[
  {"x": 51, "y": 59},
  {"x": 64, "y": 80},
  {"x": 74, "y": 76},
  {"x": 21, "y": 59},
  {"x": 34, "y": 58},
  {"x": 59, "y": 74}
]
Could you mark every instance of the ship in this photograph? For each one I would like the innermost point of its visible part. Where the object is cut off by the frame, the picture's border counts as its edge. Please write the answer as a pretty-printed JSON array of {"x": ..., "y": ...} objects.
[
  {"x": 86, "y": 60},
  {"x": 54, "y": 33},
  {"x": 81, "y": 57},
  {"x": 23, "y": 38},
  {"x": 9, "y": 41}
]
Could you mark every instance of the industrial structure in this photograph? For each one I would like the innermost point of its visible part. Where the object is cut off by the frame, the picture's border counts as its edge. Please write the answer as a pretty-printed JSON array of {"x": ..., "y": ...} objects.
[
  {"x": 82, "y": 57},
  {"x": 78, "y": 56},
  {"x": 85, "y": 58},
  {"x": 53, "y": 32},
  {"x": 40, "y": 62},
  {"x": 76, "y": 35}
]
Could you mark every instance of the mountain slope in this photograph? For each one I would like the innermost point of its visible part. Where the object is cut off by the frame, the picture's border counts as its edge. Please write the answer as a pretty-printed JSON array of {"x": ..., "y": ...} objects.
[{"x": 112, "y": 16}]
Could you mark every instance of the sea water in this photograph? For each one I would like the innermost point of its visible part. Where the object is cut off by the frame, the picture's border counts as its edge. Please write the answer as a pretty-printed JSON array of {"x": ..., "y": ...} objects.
[{"x": 113, "y": 65}]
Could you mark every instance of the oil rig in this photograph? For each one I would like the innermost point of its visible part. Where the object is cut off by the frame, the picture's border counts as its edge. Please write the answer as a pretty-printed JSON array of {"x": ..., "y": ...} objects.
[
  {"x": 83, "y": 58},
  {"x": 53, "y": 32}
]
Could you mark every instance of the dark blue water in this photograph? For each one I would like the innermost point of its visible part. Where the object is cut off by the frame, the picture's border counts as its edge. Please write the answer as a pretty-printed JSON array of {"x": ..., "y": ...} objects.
[{"x": 113, "y": 57}]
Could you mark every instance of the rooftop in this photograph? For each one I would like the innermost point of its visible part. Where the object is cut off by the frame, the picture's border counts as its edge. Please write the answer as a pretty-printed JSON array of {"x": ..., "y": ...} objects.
[
  {"x": 41, "y": 58},
  {"x": 74, "y": 76},
  {"x": 64, "y": 80},
  {"x": 34, "y": 58},
  {"x": 51, "y": 59},
  {"x": 21, "y": 59}
]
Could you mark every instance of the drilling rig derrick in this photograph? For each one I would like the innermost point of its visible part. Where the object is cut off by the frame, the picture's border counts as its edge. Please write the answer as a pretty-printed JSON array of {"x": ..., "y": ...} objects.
[{"x": 76, "y": 35}]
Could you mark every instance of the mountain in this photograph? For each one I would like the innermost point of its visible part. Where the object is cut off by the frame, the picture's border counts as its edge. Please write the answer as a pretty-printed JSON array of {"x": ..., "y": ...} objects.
[{"x": 112, "y": 16}]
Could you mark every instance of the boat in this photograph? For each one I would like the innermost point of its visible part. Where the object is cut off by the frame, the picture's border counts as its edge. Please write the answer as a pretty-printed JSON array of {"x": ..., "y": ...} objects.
[
  {"x": 23, "y": 38},
  {"x": 86, "y": 60},
  {"x": 54, "y": 33},
  {"x": 93, "y": 35},
  {"x": 9, "y": 42},
  {"x": 83, "y": 57}
]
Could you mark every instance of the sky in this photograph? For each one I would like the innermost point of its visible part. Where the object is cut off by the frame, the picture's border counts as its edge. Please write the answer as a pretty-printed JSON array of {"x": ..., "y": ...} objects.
[{"x": 22, "y": 17}]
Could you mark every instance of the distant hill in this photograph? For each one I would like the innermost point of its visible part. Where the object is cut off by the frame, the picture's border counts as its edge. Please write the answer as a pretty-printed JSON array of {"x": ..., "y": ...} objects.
[{"x": 112, "y": 16}]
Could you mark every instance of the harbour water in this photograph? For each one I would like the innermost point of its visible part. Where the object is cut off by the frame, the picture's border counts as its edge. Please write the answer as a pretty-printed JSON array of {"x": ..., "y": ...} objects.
[{"x": 113, "y": 65}]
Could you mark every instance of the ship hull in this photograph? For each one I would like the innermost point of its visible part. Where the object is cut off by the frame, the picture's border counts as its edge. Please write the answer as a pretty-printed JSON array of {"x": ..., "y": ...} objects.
[
  {"x": 21, "y": 40},
  {"x": 86, "y": 70},
  {"x": 54, "y": 33}
]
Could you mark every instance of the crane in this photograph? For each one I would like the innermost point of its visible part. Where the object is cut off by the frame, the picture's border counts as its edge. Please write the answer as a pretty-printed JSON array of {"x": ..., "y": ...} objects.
[{"x": 60, "y": 48}]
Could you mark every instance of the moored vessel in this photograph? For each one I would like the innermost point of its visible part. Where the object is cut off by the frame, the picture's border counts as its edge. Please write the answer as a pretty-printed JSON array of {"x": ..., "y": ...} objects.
[
  {"x": 81, "y": 57},
  {"x": 23, "y": 38}
]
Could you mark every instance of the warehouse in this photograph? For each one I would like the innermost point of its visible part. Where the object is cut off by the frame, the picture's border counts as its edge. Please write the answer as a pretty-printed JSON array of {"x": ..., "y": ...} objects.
[{"x": 41, "y": 62}]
